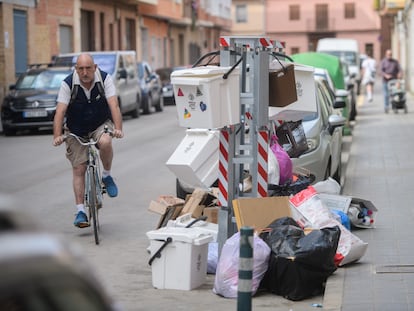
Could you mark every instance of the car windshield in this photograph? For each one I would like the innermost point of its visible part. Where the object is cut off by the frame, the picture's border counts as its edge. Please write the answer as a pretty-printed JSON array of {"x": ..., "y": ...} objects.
[
  {"x": 49, "y": 80},
  {"x": 349, "y": 57},
  {"x": 105, "y": 62}
]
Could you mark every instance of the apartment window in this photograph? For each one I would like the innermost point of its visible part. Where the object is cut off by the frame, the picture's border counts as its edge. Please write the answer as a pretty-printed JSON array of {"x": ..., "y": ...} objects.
[
  {"x": 321, "y": 12},
  {"x": 349, "y": 10},
  {"x": 130, "y": 34},
  {"x": 294, "y": 12},
  {"x": 294, "y": 50},
  {"x": 241, "y": 13}
]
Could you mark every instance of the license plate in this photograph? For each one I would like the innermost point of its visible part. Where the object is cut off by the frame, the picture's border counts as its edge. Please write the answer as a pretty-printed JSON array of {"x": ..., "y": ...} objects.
[{"x": 34, "y": 114}]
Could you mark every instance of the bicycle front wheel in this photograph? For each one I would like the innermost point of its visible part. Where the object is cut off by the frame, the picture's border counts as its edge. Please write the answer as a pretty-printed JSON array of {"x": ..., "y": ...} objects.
[{"x": 92, "y": 203}]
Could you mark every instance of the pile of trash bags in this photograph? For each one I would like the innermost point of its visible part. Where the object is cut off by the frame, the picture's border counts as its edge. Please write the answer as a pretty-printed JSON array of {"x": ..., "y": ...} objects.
[{"x": 295, "y": 262}]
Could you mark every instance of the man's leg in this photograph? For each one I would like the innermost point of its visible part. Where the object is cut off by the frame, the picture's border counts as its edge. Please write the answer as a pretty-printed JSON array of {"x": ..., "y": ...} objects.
[
  {"x": 81, "y": 219},
  {"x": 386, "y": 96},
  {"x": 106, "y": 154}
]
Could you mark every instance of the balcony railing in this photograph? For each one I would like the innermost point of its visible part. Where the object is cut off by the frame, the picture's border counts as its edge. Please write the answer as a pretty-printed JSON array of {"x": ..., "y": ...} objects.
[{"x": 320, "y": 25}]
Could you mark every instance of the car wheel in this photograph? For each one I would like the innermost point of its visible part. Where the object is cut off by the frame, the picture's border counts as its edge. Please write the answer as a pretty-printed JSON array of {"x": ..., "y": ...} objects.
[
  {"x": 147, "y": 104},
  {"x": 136, "y": 112},
  {"x": 160, "y": 106}
]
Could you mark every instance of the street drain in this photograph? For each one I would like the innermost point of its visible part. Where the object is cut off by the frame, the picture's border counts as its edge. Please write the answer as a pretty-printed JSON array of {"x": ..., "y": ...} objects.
[{"x": 395, "y": 269}]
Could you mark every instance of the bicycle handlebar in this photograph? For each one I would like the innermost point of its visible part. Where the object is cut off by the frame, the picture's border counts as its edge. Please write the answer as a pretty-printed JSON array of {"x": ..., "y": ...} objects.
[{"x": 90, "y": 141}]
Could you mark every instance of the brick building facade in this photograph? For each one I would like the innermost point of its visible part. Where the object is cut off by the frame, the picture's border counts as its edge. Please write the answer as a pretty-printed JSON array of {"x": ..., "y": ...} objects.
[{"x": 162, "y": 32}]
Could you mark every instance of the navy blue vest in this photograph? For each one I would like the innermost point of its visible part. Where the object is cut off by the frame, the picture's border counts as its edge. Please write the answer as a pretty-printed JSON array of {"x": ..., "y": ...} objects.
[{"x": 84, "y": 116}]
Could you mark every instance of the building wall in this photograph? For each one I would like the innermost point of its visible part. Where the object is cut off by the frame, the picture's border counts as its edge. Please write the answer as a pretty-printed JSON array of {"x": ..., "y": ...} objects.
[
  {"x": 256, "y": 19},
  {"x": 301, "y": 33}
]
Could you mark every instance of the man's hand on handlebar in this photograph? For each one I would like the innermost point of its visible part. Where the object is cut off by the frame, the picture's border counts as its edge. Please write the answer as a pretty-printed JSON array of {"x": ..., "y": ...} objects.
[
  {"x": 57, "y": 141},
  {"x": 117, "y": 133}
]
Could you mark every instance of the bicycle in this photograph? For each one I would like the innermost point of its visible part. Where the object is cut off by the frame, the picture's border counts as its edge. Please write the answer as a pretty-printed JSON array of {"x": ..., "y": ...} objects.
[{"x": 94, "y": 187}]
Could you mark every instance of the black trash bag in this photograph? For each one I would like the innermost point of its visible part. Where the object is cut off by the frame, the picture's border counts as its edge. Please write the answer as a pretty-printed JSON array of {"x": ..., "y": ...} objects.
[
  {"x": 290, "y": 187},
  {"x": 299, "y": 264}
]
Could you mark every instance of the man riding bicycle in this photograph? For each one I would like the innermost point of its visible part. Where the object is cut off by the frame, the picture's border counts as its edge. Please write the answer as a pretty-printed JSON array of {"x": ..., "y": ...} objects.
[{"x": 88, "y": 110}]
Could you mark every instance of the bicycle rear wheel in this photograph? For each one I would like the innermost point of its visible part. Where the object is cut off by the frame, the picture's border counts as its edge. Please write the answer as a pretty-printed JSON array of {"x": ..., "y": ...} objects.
[{"x": 92, "y": 204}]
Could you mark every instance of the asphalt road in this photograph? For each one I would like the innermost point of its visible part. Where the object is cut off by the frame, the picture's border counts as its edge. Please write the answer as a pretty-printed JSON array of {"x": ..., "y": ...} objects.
[{"x": 38, "y": 178}]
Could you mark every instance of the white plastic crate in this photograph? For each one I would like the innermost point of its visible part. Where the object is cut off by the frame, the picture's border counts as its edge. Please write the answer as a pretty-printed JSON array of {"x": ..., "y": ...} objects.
[
  {"x": 195, "y": 160},
  {"x": 204, "y": 99},
  {"x": 182, "y": 263},
  {"x": 306, "y": 94}
]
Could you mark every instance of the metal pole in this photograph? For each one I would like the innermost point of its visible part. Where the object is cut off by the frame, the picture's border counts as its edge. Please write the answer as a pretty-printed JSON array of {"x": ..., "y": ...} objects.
[{"x": 244, "y": 294}]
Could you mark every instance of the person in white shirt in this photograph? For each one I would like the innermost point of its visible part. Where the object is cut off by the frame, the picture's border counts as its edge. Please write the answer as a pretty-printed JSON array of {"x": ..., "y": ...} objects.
[{"x": 369, "y": 70}]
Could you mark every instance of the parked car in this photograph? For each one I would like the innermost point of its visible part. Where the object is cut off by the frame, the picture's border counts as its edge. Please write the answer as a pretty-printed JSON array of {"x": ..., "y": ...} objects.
[
  {"x": 151, "y": 88},
  {"x": 167, "y": 87},
  {"x": 39, "y": 271},
  {"x": 31, "y": 102},
  {"x": 323, "y": 131},
  {"x": 121, "y": 65}
]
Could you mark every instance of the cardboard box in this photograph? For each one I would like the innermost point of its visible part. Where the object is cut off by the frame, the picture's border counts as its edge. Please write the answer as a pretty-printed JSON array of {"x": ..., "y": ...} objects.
[
  {"x": 212, "y": 214},
  {"x": 282, "y": 85},
  {"x": 261, "y": 212},
  {"x": 194, "y": 205},
  {"x": 169, "y": 207},
  {"x": 204, "y": 99}
]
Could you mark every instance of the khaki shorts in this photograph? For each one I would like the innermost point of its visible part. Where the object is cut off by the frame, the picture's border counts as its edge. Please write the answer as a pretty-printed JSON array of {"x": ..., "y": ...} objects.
[{"x": 75, "y": 152}]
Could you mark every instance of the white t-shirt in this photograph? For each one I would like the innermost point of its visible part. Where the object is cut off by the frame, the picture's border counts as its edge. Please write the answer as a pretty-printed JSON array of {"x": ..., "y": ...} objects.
[
  {"x": 370, "y": 66},
  {"x": 65, "y": 90}
]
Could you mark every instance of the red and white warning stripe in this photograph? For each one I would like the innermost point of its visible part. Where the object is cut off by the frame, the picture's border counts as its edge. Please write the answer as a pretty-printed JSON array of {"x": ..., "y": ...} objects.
[
  {"x": 262, "y": 154},
  {"x": 223, "y": 167}
]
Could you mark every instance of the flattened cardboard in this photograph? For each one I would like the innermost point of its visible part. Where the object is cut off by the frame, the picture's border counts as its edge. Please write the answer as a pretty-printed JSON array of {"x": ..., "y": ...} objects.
[
  {"x": 261, "y": 212},
  {"x": 211, "y": 213}
]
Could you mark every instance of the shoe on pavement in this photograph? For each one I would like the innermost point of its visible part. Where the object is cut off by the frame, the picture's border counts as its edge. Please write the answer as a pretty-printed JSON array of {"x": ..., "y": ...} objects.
[
  {"x": 81, "y": 220},
  {"x": 110, "y": 186}
]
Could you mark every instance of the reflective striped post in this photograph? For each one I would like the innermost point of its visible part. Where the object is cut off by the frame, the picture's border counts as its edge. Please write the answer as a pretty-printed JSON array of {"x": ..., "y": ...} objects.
[{"x": 244, "y": 294}]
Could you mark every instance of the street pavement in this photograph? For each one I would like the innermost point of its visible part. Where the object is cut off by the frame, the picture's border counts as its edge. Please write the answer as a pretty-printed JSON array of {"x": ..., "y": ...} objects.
[{"x": 379, "y": 168}]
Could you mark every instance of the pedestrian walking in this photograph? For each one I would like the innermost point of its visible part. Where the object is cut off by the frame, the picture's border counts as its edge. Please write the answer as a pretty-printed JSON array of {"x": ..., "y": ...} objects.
[
  {"x": 369, "y": 71},
  {"x": 88, "y": 110},
  {"x": 390, "y": 69}
]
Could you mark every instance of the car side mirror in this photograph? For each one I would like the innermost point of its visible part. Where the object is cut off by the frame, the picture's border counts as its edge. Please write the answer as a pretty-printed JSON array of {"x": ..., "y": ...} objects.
[
  {"x": 335, "y": 120},
  {"x": 340, "y": 102}
]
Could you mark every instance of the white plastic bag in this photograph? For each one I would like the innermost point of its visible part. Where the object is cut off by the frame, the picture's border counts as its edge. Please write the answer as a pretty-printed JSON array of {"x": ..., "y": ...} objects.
[
  {"x": 273, "y": 168},
  {"x": 350, "y": 247},
  {"x": 329, "y": 186},
  {"x": 227, "y": 273}
]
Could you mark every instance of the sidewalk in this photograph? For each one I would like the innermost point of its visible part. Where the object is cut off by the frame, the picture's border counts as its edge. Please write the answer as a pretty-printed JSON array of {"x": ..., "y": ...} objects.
[{"x": 380, "y": 168}]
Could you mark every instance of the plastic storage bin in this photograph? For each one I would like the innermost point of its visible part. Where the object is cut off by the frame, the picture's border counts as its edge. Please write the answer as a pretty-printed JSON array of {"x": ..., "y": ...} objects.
[
  {"x": 204, "y": 99},
  {"x": 182, "y": 261},
  {"x": 195, "y": 160},
  {"x": 306, "y": 97}
]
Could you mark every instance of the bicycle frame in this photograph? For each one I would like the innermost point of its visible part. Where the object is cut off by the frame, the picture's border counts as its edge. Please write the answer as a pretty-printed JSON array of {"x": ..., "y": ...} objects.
[{"x": 94, "y": 189}]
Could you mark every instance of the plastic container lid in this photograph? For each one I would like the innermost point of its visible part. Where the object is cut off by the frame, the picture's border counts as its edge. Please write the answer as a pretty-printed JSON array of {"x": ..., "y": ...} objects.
[
  {"x": 201, "y": 72},
  {"x": 187, "y": 235}
]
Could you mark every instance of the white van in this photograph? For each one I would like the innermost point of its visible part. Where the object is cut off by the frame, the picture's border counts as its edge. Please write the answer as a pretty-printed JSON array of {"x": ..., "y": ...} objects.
[
  {"x": 346, "y": 49},
  {"x": 122, "y": 66}
]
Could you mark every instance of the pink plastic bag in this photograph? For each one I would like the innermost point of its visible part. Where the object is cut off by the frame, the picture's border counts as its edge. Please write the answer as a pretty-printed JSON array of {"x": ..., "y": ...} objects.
[{"x": 285, "y": 162}]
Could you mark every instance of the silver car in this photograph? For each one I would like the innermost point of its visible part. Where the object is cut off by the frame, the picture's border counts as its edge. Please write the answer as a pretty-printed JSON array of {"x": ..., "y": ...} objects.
[{"x": 323, "y": 131}]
